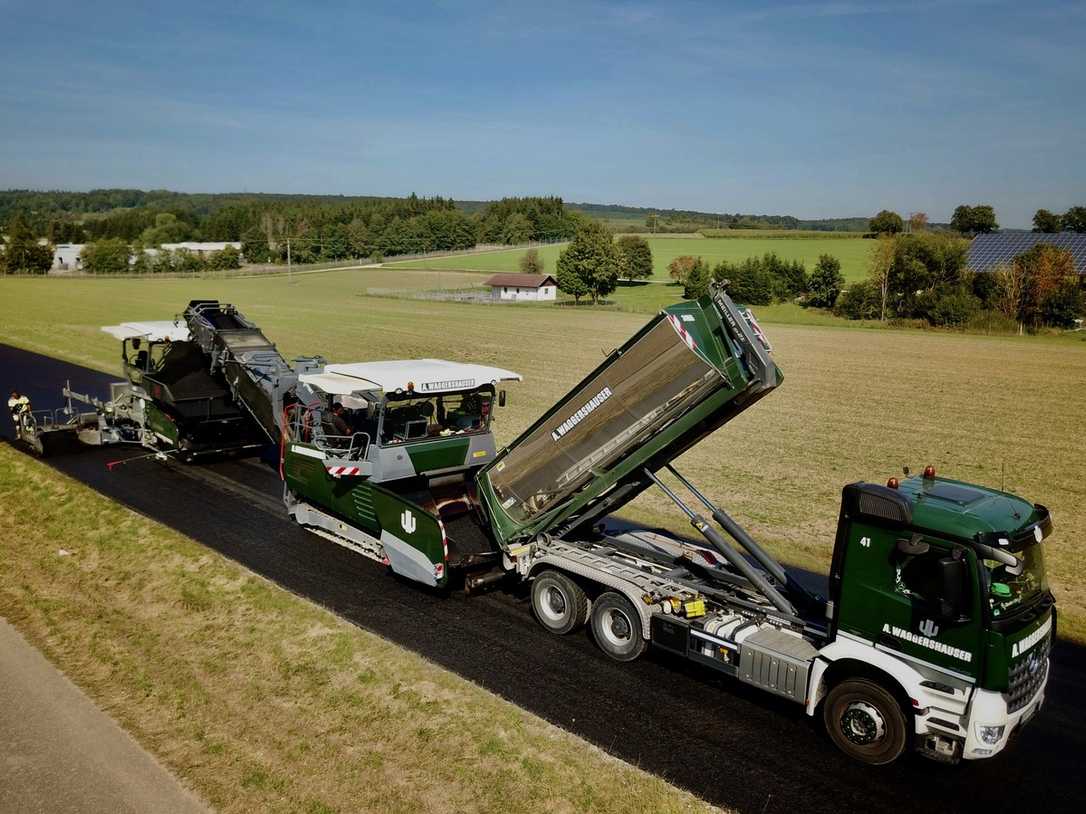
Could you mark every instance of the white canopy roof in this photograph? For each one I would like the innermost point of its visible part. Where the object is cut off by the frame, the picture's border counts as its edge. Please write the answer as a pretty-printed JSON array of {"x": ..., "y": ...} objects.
[
  {"x": 335, "y": 384},
  {"x": 154, "y": 331},
  {"x": 425, "y": 375}
]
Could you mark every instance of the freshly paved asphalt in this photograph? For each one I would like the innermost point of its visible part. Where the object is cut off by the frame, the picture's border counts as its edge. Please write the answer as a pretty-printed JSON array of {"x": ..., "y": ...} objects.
[
  {"x": 731, "y": 744},
  {"x": 60, "y": 753}
]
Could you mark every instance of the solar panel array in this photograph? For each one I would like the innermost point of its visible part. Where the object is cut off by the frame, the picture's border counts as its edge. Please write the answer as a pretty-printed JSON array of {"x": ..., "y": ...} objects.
[{"x": 989, "y": 252}]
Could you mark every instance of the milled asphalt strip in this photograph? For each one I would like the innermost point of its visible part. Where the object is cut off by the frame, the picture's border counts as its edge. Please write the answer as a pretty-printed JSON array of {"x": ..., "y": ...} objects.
[
  {"x": 60, "y": 753},
  {"x": 256, "y": 498}
]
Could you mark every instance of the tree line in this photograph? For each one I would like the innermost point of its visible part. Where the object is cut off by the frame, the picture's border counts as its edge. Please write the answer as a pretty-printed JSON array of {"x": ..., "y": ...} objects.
[
  {"x": 762, "y": 280},
  {"x": 321, "y": 227},
  {"x": 925, "y": 278},
  {"x": 302, "y": 229},
  {"x": 114, "y": 256},
  {"x": 1073, "y": 220}
]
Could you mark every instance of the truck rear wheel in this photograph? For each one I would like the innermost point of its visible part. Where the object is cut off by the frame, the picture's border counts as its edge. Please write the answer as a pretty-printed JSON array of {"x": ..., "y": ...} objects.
[
  {"x": 865, "y": 722},
  {"x": 560, "y": 604},
  {"x": 617, "y": 627}
]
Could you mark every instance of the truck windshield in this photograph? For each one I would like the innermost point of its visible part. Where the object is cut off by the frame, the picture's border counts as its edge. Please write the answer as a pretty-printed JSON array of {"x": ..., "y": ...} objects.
[
  {"x": 1007, "y": 591},
  {"x": 412, "y": 419}
]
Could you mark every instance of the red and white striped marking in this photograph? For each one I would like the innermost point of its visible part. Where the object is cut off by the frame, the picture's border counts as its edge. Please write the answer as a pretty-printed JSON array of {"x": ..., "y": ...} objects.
[
  {"x": 343, "y": 471},
  {"x": 684, "y": 335}
]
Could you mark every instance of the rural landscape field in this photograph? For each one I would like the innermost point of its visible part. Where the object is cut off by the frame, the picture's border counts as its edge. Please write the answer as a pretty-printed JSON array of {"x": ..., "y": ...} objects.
[
  {"x": 851, "y": 251},
  {"x": 855, "y": 405}
]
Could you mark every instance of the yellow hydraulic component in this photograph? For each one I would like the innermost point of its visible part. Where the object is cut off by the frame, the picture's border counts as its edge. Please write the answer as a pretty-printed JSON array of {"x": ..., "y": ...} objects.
[{"x": 694, "y": 607}]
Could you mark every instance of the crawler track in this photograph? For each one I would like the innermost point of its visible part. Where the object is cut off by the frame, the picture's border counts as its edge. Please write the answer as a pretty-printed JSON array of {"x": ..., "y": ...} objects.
[{"x": 728, "y": 743}]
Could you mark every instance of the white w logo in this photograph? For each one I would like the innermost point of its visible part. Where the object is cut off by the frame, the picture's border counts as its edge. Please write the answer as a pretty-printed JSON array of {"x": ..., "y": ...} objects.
[
  {"x": 929, "y": 628},
  {"x": 408, "y": 521}
]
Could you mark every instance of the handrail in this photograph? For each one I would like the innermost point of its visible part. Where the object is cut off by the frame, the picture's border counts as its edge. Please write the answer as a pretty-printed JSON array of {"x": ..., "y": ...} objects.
[{"x": 361, "y": 439}]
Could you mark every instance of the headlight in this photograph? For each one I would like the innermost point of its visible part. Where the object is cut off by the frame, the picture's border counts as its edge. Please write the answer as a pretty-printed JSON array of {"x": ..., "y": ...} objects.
[{"x": 990, "y": 734}]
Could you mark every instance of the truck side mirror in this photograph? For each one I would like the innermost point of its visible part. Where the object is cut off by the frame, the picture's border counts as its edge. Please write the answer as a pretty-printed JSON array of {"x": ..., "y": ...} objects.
[
  {"x": 501, "y": 398},
  {"x": 954, "y": 581},
  {"x": 913, "y": 546}
]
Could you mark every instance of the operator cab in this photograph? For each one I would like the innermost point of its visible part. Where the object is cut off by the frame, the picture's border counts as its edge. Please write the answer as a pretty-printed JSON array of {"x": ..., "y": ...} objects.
[
  {"x": 145, "y": 345},
  {"x": 403, "y": 419}
]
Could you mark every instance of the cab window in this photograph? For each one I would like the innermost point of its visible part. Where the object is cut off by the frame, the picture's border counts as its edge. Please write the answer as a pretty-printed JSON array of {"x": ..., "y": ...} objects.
[
  {"x": 937, "y": 580},
  {"x": 412, "y": 419}
]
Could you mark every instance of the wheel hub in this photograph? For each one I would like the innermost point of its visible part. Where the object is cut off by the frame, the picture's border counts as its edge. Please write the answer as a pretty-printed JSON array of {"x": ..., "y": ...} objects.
[
  {"x": 620, "y": 626},
  {"x": 556, "y": 602},
  {"x": 862, "y": 723}
]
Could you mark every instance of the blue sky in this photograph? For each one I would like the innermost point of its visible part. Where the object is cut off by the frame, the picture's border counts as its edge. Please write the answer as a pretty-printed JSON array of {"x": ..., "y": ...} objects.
[{"x": 815, "y": 109}]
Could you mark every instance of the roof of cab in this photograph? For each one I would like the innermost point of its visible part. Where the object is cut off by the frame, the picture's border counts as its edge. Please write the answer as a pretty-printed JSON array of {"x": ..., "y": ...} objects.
[
  {"x": 151, "y": 330},
  {"x": 425, "y": 376},
  {"x": 964, "y": 509}
]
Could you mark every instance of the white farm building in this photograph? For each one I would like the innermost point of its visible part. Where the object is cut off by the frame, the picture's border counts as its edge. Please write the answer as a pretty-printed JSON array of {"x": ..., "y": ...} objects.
[{"x": 522, "y": 287}]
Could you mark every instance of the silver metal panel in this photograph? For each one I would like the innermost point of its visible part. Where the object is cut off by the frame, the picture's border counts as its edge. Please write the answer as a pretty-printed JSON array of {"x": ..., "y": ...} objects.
[{"x": 777, "y": 662}]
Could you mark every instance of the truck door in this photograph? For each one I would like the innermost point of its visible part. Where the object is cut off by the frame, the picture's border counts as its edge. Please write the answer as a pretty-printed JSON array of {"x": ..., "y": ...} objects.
[{"x": 910, "y": 593}]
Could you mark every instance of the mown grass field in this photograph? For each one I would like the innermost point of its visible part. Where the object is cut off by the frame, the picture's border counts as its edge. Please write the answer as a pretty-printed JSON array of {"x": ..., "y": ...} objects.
[
  {"x": 261, "y": 701},
  {"x": 854, "y": 405},
  {"x": 853, "y": 254}
]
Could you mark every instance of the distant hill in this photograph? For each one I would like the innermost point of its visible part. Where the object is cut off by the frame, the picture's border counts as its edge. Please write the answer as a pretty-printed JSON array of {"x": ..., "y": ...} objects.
[
  {"x": 688, "y": 220},
  {"x": 644, "y": 218}
]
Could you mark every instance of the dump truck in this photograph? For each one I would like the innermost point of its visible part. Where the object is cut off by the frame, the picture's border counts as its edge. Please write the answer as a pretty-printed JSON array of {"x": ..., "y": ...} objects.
[{"x": 935, "y": 629}]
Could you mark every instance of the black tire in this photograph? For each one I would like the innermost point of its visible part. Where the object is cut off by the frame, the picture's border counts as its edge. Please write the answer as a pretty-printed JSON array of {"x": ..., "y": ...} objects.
[
  {"x": 866, "y": 722},
  {"x": 616, "y": 625},
  {"x": 560, "y": 604}
]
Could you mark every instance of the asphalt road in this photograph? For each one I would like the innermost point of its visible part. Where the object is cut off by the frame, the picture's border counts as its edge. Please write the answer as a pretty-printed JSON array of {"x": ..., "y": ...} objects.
[{"x": 731, "y": 744}]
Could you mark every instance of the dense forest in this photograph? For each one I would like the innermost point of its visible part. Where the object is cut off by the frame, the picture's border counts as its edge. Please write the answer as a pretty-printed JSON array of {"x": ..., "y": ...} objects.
[
  {"x": 331, "y": 227},
  {"x": 316, "y": 227}
]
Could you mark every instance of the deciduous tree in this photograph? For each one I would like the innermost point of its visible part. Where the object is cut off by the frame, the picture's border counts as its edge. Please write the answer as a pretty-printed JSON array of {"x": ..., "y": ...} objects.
[
  {"x": 1045, "y": 270},
  {"x": 254, "y": 246},
  {"x": 589, "y": 264},
  {"x": 636, "y": 257},
  {"x": 974, "y": 220},
  {"x": 887, "y": 223},
  {"x": 1074, "y": 219},
  {"x": 678, "y": 268},
  {"x": 516, "y": 229},
  {"x": 109, "y": 256},
  {"x": 167, "y": 229},
  {"x": 825, "y": 282},
  {"x": 530, "y": 262},
  {"x": 22, "y": 253},
  {"x": 1045, "y": 221}
]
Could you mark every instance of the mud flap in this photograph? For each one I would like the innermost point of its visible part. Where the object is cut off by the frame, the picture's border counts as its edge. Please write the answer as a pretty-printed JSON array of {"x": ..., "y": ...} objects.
[{"x": 408, "y": 561}]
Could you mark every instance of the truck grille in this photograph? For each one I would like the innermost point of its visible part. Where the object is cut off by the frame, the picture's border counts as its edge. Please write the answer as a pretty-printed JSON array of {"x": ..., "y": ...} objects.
[{"x": 1026, "y": 676}]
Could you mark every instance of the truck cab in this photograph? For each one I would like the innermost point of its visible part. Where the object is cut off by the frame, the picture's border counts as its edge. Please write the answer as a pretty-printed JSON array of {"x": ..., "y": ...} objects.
[{"x": 940, "y": 587}]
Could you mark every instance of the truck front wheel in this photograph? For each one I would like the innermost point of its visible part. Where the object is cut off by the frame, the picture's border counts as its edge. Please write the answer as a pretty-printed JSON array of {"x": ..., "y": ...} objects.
[
  {"x": 559, "y": 603},
  {"x": 617, "y": 627},
  {"x": 865, "y": 722}
]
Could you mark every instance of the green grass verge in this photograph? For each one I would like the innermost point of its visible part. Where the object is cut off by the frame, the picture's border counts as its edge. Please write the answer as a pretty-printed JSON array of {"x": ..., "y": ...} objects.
[
  {"x": 260, "y": 700},
  {"x": 853, "y": 254}
]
